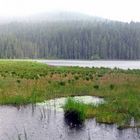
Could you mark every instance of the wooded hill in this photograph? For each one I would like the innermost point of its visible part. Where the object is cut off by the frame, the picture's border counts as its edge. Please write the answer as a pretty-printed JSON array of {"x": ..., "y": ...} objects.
[{"x": 74, "y": 37}]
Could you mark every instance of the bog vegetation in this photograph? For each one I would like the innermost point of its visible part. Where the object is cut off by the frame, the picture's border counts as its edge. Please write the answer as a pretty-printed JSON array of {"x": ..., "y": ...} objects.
[
  {"x": 75, "y": 112},
  {"x": 30, "y": 82}
]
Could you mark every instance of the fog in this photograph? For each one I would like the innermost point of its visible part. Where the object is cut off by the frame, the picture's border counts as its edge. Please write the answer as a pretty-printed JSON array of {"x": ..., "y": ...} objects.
[{"x": 125, "y": 10}]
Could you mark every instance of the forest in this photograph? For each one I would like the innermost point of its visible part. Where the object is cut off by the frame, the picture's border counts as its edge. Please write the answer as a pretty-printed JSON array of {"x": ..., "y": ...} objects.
[{"x": 88, "y": 38}]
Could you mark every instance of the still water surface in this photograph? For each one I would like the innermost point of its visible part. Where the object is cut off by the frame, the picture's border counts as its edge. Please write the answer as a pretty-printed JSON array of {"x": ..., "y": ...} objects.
[
  {"x": 101, "y": 63},
  {"x": 43, "y": 122}
]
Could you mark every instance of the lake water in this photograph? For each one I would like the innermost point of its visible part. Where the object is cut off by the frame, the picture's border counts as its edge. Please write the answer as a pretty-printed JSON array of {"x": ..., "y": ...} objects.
[
  {"x": 101, "y": 63},
  {"x": 44, "y": 122}
]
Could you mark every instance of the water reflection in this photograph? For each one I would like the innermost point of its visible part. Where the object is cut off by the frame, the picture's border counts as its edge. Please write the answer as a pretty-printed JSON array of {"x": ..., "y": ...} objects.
[{"x": 40, "y": 123}]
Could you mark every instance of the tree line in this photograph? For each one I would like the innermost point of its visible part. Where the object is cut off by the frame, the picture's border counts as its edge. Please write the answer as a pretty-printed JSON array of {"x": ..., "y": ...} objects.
[{"x": 72, "y": 39}]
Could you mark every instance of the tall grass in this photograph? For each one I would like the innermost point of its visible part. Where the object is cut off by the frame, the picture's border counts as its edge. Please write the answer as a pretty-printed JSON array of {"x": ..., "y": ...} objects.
[{"x": 75, "y": 111}]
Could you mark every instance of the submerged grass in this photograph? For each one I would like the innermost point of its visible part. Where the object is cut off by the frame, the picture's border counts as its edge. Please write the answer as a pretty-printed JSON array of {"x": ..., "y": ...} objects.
[{"x": 24, "y": 82}]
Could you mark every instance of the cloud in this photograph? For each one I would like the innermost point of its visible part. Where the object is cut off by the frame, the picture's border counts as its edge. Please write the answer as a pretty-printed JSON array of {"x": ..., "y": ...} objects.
[{"x": 125, "y": 10}]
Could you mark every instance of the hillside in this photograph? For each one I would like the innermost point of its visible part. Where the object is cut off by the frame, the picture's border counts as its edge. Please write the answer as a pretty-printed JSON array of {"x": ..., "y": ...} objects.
[{"x": 69, "y": 36}]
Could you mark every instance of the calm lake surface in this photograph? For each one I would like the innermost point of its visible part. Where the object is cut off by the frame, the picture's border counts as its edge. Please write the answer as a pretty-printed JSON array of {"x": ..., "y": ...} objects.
[
  {"x": 109, "y": 64},
  {"x": 45, "y": 121}
]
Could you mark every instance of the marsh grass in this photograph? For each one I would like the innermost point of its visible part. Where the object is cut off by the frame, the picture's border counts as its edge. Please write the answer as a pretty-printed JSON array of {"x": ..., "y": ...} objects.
[
  {"x": 75, "y": 111},
  {"x": 30, "y": 82}
]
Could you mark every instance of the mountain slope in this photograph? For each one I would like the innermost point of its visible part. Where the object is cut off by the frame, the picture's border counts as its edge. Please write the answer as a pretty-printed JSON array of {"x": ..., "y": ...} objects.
[{"x": 69, "y": 36}]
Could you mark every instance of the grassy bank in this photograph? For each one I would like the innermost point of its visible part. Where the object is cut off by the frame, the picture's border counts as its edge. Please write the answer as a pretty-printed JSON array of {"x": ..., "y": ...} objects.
[{"x": 30, "y": 82}]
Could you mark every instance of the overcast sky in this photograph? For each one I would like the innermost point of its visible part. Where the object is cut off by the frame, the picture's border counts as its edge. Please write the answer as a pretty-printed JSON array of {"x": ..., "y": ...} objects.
[{"x": 123, "y": 10}]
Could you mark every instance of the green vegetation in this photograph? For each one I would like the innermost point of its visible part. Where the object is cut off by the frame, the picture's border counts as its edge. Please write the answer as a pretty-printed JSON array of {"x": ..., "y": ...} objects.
[
  {"x": 30, "y": 82},
  {"x": 75, "y": 111},
  {"x": 119, "y": 109}
]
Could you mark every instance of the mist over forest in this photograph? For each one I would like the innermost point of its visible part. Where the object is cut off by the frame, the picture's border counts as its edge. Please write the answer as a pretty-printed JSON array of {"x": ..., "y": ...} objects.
[{"x": 69, "y": 36}]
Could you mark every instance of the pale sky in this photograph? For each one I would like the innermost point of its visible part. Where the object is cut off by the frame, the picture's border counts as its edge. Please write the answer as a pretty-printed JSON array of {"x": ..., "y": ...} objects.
[{"x": 123, "y": 10}]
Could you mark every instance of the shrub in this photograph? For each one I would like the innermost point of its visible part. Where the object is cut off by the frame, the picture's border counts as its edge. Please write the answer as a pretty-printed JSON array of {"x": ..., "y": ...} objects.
[
  {"x": 111, "y": 86},
  {"x": 62, "y": 83},
  {"x": 18, "y": 81},
  {"x": 76, "y": 77},
  {"x": 65, "y": 75},
  {"x": 87, "y": 78},
  {"x": 100, "y": 75},
  {"x": 13, "y": 73},
  {"x": 96, "y": 86}
]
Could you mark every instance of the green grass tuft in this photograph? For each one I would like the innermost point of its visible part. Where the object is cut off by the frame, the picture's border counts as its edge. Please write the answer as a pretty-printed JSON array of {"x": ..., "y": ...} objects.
[{"x": 75, "y": 111}]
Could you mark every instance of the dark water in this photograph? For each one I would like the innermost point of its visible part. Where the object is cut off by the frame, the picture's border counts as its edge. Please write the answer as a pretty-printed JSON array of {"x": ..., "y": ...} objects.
[
  {"x": 101, "y": 63},
  {"x": 43, "y": 123}
]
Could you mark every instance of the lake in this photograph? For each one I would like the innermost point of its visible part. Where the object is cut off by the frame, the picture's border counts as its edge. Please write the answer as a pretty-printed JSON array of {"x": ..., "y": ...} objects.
[{"x": 100, "y": 63}]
